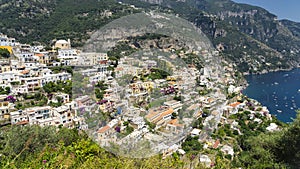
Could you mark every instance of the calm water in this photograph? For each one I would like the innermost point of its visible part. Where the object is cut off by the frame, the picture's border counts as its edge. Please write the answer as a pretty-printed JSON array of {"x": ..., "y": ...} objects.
[{"x": 279, "y": 91}]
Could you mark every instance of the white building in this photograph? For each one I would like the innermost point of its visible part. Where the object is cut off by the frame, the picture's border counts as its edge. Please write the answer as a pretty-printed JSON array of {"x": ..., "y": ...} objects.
[
  {"x": 91, "y": 59},
  {"x": 32, "y": 115},
  {"x": 46, "y": 78},
  {"x": 32, "y": 83},
  {"x": 26, "y": 57},
  {"x": 6, "y": 41},
  {"x": 8, "y": 77},
  {"x": 68, "y": 56}
]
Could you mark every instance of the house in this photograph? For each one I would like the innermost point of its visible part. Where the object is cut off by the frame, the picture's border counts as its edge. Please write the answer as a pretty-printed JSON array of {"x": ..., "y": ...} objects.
[
  {"x": 18, "y": 116},
  {"x": 195, "y": 132},
  {"x": 5, "y": 66},
  {"x": 139, "y": 122},
  {"x": 65, "y": 98},
  {"x": 9, "y": 77},
  {"x": 49, "y": 77},
  {"x": 62, "y": 44},
  {"x": 272, "y": 127},
  {"x": 68, "y": 56},
  {"x": 38, "y": 113},
  {"x": 174, "y": 104},
  {"x": 89, "y": 72},
  {"x": 205, "y": 159},
  {"x": 107, "y": 105},
  {"x": 20, "y": 89},
  {"x": 235, "y": 107},
  {"x": 227, "y": 150},
  {"x": 32, "y": 83},
  {"x": 106, "y": 133},
  {"x": 65, "y": 115},
  {"x": 5, "y": 108},
  {"x": 160, "y": 116},
  {"x": 195, "y": 109},
  {"x": 32, "y": 115},
  {"x": 51, "y": 121},
  {"x": 97, "y": 77},
  {"x": 43, "y": 57},
  {"x": 25, "y": 57},
  {"x": 170, "y": 150},
  {"x": 174, "y": 126},
  {"x": 93, "y": 58},
  {"x": 216, "y": 144},
  {"x": 6, "y": 41}
]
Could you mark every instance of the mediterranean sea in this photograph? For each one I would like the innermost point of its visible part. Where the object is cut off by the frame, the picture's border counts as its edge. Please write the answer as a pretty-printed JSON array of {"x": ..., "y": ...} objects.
[{"x": 279, "y": 91}]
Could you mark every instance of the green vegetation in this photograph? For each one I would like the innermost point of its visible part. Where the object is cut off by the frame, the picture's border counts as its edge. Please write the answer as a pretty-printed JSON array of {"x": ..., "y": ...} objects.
[
  {"x": 59, "y": 69},
  {"x": 60, "y": 86},
  {"x": 4, "y": 53},
  {"x": 100, "y": 88},
  {"x": 58, "y": 19},
  {"x": 5, "y": 90},
  {"x": 47, "y": 147},
  {"x": 158, "y": 74},
  {"x": 192, "y": 144},
  {"x": 121, "y": 49}
]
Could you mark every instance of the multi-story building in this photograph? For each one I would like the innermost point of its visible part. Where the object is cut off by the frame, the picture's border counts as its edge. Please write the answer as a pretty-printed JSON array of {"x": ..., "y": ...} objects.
[
  {"x": 31, "y": 115},
  {"x": 65, "y": 115},
  {"x": 6, "y": 41},
  {"x": 160, "y": 116},
  {"x": 91, "y": 59},
  {"x": 5, "y": 108},
  {"x": 9, "y": 77},
  {"x": 32, "y": 83},
  {"x": 26, "y": 57}
]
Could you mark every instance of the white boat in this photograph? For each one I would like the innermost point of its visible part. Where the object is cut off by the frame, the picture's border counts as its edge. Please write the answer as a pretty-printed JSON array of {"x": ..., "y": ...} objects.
[{"x": 279, "y": 111}]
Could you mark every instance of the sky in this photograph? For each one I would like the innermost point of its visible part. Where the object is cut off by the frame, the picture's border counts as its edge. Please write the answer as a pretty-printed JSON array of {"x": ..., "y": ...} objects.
[{"x": 284, "y": 9}]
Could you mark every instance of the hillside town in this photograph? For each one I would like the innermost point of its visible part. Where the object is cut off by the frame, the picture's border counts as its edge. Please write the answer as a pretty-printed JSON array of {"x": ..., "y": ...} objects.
[{"x": 132, "y": 99}]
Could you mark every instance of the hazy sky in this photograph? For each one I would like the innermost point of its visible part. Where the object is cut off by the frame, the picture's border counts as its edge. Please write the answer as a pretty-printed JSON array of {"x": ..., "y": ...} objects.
[{"x": 284, "y": 9}]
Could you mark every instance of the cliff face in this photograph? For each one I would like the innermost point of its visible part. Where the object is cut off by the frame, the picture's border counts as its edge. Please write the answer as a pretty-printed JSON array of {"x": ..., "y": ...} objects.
[{"x": 249, "y": 36}]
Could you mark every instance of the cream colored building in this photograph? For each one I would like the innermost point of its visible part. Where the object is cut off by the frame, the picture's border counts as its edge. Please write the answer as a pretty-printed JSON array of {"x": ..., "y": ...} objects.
[{"x": 62, "y": 44}]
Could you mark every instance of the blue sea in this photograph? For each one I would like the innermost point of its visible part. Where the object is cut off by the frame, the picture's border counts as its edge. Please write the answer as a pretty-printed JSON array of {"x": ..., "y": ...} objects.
[{"x": 279, "y": 91}]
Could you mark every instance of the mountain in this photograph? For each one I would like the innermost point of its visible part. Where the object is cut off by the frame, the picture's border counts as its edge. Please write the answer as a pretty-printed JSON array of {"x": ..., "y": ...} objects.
[{"x": 250, "y": 36}]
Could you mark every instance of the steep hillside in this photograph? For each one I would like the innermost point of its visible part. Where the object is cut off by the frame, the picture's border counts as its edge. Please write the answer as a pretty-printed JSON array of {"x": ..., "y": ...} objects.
[
  {"x": 250, "y": 36},
  {"x": 44, "y": 20}
]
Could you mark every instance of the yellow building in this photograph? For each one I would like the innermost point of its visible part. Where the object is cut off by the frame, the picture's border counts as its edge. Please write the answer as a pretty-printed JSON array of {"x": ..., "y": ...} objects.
[
  {"x": 4, "y": 108},
  {"x": 9, "y": 48},
  {"x": 5, "y": 68}
]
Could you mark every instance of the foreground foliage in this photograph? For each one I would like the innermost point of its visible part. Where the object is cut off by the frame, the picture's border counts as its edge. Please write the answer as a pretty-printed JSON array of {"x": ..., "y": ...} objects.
[{"x": 49, "y": 147}]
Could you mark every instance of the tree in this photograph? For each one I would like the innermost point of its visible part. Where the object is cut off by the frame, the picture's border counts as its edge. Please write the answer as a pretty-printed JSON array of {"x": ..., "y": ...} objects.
[{"x": 4, "y": 53}]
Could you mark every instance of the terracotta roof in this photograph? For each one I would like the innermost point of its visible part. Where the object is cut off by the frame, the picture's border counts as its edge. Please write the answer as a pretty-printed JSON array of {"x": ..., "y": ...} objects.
[
  {"x": 163, "y": 110},
  {"x": 174, "y": 122},
  {"x": 22, "y": 122},
  {"x": 25, "y": 71},
  {"x": 234, "y": 104},
  {"x": 165, "y": 113},
  {"x": 39, "y": 54},
  {"x": 103, "y": 129},
  {"x": 216, "y": 145}
]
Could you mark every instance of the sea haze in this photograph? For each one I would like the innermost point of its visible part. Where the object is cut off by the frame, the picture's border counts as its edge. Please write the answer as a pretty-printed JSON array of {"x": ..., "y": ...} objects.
[{"x": 279, "y": 91}]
